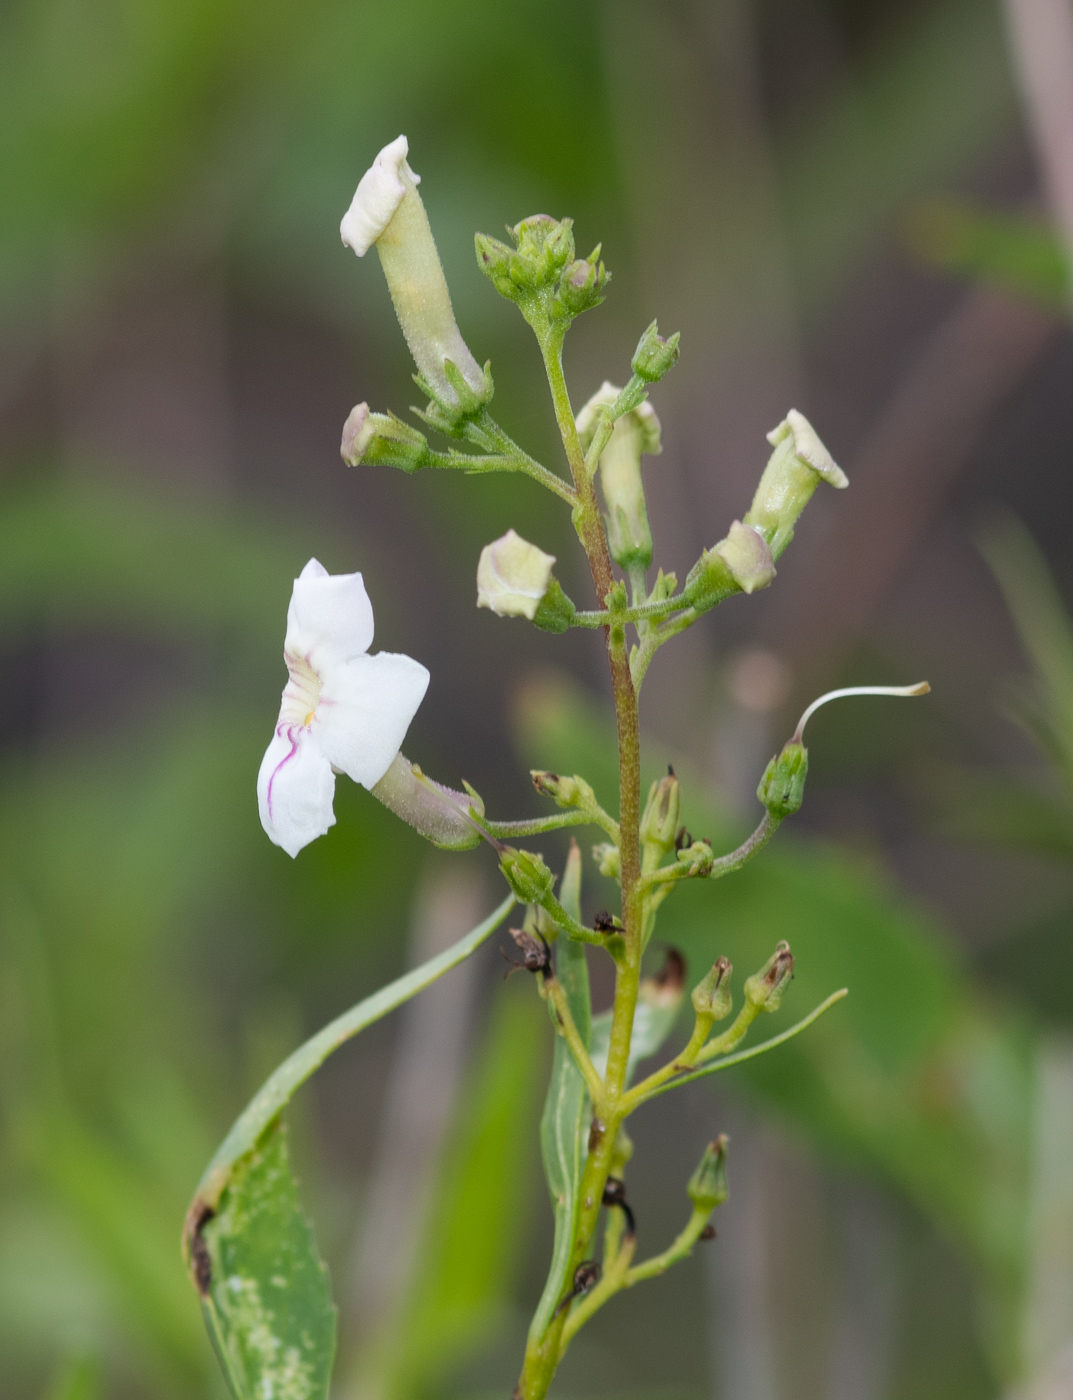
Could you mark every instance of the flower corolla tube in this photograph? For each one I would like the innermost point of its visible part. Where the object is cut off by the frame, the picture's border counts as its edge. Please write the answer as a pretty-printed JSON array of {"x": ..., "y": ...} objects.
[{"x": 343, "y": 711}]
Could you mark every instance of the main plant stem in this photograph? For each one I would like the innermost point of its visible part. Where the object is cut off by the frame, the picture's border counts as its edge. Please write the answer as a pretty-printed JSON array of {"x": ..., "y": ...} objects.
[{"x": 542, "y": 1358}]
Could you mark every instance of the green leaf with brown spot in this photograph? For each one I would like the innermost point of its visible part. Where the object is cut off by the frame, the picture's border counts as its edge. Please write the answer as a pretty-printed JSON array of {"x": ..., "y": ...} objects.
[{"x": 266, "y": 1296}]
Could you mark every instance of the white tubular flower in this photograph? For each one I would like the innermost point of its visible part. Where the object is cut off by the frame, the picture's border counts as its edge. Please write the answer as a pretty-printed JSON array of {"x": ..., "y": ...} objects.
[
  {"x": 635, "y": 434},
  {"x": 343, "y": 711},
  {"x": 387, "y": 211},
  {"x": 513, "y": 576},
  {"x": 796, "y": 467}
]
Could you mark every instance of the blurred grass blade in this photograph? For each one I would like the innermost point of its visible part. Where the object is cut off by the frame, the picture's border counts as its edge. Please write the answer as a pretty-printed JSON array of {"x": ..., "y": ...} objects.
[
  {"x": 275, "y": 1093},
  {"x": 76, "y": 1380},
  {"x": 473, "y": 1238},
  {"x": 1013, "y": 253},
  {"x": 265, "y": 1292},
  {"x": 1042, "y": 623},
  {"x": 562, "y": 1125}
]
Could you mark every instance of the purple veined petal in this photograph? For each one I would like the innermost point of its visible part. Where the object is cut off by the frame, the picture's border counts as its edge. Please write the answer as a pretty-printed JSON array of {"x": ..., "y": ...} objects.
[
  {"x": 365, "y": 710},
  {"x": 330, "y": 618},
  {"x": 295, "y": 787}
]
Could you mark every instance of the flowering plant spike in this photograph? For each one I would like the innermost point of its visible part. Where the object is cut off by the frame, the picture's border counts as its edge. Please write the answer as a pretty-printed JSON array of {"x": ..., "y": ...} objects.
[{"x": 251, "y": 1256}]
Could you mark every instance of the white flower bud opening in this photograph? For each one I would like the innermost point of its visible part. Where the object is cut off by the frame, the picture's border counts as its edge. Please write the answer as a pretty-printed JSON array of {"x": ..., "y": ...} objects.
[
  {"x": 747, "y": 555},
  {"x": 513, "y": 576},
  {"x": 808, "y": 447},
  {"x": 380, "y": 192}
]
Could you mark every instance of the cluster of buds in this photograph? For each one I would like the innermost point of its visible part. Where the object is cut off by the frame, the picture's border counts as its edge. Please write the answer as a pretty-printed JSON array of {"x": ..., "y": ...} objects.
[{"x": 540, "y": 273}]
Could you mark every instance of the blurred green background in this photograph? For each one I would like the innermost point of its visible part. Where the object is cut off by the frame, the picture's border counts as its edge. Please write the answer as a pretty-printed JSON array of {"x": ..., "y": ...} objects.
[{"x": 839, "y": 205}]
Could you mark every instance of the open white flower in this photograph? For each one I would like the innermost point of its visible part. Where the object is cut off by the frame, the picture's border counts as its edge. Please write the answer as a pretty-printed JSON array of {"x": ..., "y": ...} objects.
[{"x": 343, "y": 711}]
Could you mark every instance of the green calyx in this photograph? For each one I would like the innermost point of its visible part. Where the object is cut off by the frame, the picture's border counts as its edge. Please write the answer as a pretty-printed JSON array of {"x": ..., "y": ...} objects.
[
  {"x": 712, "y": 997},
  {"x": 381, "y": 439},
  {"x": 764, "y": 989},
  {"x": 782, "y": 788},
  {"x": 555, "y": 611},
  {"x": 708, "y": 1185},
  {"x": 654, "y": 356},
  {"x": 527, "y": 875}
]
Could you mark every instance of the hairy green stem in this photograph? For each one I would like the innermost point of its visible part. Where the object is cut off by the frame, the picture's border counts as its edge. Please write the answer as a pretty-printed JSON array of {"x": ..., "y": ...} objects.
[{"x": 542, "y": 1357}]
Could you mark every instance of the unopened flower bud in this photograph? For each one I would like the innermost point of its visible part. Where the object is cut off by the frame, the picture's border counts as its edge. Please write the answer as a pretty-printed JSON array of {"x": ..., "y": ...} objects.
[
  {"x": 582, "y": 286},
  {"x": 782, "y": 788},
  {"x": 500, "y": 264},
  {"x": 659, "y": 821},
  {"x": 708, "y": 1185},
  {"x": 654, "y": 356},
  {"x": 526, "y": 874},
  {"x": 387, "y": 211},
  {"x": 564, "y": 792},
  {"x": 545, "y": 242},
  {"x": 740, "y": 563},
  {"x": 764, "y": 989},
  {"x": 712, "y": 997},
  {"x": 381, "y": 439},
  {"x": 513, "y": 576},
  {"x": 635, "y": 434},
  {"x": 608, "y": 859},
  {"x": 748, "y": 557},
  {"x": 697, "y": 855},
  {"x": 794, "y": 470}
]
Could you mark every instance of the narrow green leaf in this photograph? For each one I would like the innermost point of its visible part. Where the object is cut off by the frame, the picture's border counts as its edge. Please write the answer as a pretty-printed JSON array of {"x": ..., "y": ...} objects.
[
  {"x": 740, "y": 1056},
  {"x": 277, "y": 1090},
  {"x": 562, "y": 1125},
  {"x": 265, "y": 1292}
]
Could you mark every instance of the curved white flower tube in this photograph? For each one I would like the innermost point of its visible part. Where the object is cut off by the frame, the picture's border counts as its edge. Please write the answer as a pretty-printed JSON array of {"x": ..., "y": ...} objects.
[{"x": 343, "y": 711}]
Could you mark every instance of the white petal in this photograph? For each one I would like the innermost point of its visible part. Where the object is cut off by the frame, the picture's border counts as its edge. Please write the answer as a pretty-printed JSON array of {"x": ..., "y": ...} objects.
[
  {"x": 295, "y": 788},
  {"x": 379, "y": 193},
  {"x": 365, "y": 710},
  {"x": 330, "y": 618}
]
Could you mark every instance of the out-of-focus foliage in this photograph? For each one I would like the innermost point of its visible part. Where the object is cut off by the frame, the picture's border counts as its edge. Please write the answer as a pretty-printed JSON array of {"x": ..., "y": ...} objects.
[{"x": 1021, "y": 255}]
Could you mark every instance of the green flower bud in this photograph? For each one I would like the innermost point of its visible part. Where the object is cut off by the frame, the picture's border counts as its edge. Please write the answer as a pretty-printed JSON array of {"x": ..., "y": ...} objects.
[
  {"x": 764, "y": 989},
  {"x": 782, "y": 788},
  {"x": 545, "y": 243},
  {"x": 514, "y": 578},
  {"x": 794, "y": 470},
  {"x": 582, "y": 286},
  {"x": 659, "y": 821},
  {"x": 500, "y": 264},
  {"x": 527, "y": 875},
  {"x": 608, "y": 860},
  {"x": 712, "y": 997},
  {"x": 654, "y": 356},
  {"x": 635, "y": 434},
  {"x": 564, "y": 792},
  {"x": 708, "y": 1185},
  {"x": 381, "y": 439}
]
